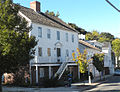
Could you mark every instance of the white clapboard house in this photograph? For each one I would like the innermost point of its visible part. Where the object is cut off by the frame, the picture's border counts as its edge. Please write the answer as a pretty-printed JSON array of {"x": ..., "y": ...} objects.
[{"x": 56, "y": 43}]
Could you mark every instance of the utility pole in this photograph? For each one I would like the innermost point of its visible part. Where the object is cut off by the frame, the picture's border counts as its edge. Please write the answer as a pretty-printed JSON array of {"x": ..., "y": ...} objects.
[{"x": 112, "y": 5}]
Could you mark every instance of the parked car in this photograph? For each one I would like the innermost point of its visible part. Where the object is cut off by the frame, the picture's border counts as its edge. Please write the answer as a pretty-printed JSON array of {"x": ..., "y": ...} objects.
[{"x": 117, "y": 72}]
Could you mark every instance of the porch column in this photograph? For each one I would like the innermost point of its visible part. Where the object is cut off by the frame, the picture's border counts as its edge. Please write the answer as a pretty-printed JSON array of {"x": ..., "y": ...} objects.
[
  {"x": 30, "y": 73},
  {"x": 50, "y": 72},
  {"x": 36, "y": 74}
]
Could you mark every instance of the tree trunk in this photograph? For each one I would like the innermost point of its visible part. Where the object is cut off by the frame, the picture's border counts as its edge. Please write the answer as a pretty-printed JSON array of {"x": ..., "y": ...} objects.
[
  {"x": 100, "y": 75},
  {"x": 0, "y": 82}
]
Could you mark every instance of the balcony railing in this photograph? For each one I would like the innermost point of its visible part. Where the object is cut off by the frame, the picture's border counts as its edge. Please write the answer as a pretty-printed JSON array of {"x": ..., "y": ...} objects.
[
  {"x": 46, "y": 60},
  {"x": 50, "y": 60}
]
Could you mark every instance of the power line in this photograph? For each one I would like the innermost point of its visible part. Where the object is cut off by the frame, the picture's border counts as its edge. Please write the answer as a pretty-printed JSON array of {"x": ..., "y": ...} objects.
[{"x": 112, "y": 5}]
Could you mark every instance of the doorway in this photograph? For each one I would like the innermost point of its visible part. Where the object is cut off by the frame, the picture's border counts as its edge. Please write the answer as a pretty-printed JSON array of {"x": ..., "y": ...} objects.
[{"x": 58, "y": 54}]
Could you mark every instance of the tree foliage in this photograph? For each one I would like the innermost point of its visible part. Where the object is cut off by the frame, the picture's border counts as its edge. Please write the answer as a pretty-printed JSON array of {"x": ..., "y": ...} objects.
[
  {"x": 98, "y": 61},
  {"x": 81, "y": 60},
  {"x": 52, "y": 13},
  {"x": 116, "y": 47},
  {"x": 16, "y": 47},
  {"x": 80, "y": 30},
  {"x": 101, "y": 37},
  {"x": 106, "y": 37},
  {"x": 92, "y": 36}
]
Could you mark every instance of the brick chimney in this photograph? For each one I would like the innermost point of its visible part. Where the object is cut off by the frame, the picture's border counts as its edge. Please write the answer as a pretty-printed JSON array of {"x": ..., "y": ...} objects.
[{"x": 35, "y": 5}]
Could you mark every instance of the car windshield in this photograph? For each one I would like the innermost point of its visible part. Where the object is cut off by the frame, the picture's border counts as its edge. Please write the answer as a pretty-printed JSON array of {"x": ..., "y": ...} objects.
[{"x": 117, "y": 70}]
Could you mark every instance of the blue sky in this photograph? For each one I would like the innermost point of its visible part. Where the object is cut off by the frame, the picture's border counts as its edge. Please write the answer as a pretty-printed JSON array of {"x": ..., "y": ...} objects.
[{"x": 87, "y": 14}]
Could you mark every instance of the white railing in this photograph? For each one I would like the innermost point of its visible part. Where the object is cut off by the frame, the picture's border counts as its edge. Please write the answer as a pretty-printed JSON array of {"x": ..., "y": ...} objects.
[
  {"x": 62, "y": 68},
  {"x": 46, "y": 59}
]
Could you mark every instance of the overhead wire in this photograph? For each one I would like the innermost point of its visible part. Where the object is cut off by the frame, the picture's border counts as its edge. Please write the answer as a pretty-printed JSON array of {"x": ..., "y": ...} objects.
[{"x": 112, "y": 5}]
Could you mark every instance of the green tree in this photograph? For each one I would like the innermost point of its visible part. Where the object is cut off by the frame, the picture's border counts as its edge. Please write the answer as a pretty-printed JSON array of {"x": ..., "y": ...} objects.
[
  {"x": 57, "y": 14},
  {"x": 88, "y": 36},
  {"x": 52, "y": 13},
  {"x": 116, "y": 47},
  {"x": 92, "y": 36},
  {"x": 98, "y": 62},
  {"x": 80, "y": 30},
  {"x": 101, "y": 37},
  {"x": 106, "y": 37},
  {"x": 16, "y": 47}
]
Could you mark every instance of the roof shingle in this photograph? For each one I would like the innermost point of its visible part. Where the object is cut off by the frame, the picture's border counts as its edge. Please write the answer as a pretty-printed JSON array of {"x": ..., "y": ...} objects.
[
  {"x": 88, "y": 45},
  {"x": 44, "y": 19}
]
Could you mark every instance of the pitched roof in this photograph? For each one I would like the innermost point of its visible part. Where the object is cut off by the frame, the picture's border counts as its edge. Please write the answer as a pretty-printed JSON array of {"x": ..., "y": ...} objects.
[
  {"x": 88, "y": 45},
  {"x": 106, "y": 44},
  {"x": 44, "y": 19}
]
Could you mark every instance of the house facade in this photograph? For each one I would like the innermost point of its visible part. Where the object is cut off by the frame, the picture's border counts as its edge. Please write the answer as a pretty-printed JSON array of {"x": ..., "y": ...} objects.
[
  {"x": 107, "y": 50},
  {"x": 56, "y": 43},
  {"x": 108, "y": 62},
  {"x": 91, "y": 50}
]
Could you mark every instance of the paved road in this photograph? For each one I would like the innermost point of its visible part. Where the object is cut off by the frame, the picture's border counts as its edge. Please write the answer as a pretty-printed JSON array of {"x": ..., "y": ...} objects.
[{"x": 111, "y": 85}]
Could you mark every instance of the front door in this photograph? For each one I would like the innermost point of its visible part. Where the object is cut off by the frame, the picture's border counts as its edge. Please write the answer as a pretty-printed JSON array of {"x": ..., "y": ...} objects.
[{"x": 58, "y": 54}]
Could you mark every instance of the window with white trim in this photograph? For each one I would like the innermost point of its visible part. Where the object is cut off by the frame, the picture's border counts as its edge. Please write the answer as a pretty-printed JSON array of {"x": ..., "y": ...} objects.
[
  {"x": 66, "y": 37},
  {"x": 73, "y": 51},
  {"x": 41, "y": 72},
  {"x": 40, "y": 32},
  {"x": 48, "y": 33},
  {"x": 58, "y": 35},
  {"x": 39, "y": 51},
  {"x": 67, "y": 53},
  {"x": 49, "y": 52},
  {"x": 72, "y": 38}
]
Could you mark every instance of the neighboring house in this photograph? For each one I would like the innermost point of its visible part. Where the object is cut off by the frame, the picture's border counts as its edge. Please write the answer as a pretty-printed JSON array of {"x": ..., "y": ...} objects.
[
  {"x": 81, "y": 36},
  {"x": 108, "y": 62},
  {"x": 106, "y": 49},
  {"x": 96, "y": 44},
  {"x": 91, "y": 50},
  {"x": 117, "y": 62},
  {"x": 56, "y": 43}
]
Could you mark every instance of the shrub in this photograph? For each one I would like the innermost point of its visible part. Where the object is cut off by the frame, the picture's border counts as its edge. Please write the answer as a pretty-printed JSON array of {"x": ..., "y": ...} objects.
[{"x": 52, "y": 82}]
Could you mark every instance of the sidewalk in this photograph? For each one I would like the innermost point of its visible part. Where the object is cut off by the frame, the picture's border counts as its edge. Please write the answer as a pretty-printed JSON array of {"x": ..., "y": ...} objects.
[
  {"x": 85, "y": 85},
  {"x": 76, "y": 87}
]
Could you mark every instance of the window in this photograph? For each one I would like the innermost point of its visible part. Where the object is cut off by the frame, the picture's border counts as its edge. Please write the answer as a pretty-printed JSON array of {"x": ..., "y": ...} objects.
[
  {"x": 40, "y": 32},
  {"x": 67, "y": 37},
  {"x": 73, "y": 51},
  {"x": 58, "y": 52},
  {"x": 48, "y": 34},
  {"x": 41, "y": 72},
  {"x": 58, "y": 35},
  {"x": 67, "y": 53},
  {"x": 72, "y": 38},
  {"x": 49, "y": 52},
  {"x": 40, "y": 51}
]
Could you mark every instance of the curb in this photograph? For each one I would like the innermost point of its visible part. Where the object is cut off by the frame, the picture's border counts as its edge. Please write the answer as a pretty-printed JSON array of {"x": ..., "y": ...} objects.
[{"x": 92, "y": 86}]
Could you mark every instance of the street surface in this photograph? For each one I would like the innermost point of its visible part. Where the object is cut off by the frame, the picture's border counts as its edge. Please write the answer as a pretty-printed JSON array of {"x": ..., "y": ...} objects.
[{"x": 112, "y": 84}]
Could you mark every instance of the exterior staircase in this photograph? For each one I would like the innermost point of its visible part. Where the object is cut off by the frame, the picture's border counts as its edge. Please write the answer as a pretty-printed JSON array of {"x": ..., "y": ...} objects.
[{"x": 61, "y": 70}]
